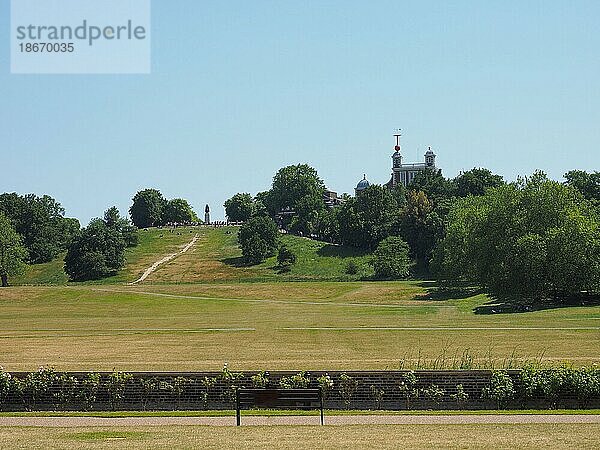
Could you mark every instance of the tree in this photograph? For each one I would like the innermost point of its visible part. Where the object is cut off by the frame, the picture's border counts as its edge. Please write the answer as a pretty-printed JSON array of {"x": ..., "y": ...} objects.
[
  {"x": 285, "y": 257},
  {"x": 531, "y": 240},
  {"x": 264, "y": 204},
  {"x": 297, "y": 188},
  {"x": 476, "y": 182},
  {"x": 240, "y": 207},
  {"x": 12, "y": 251},
  {"x": 327, "y": 226},
  {"x": 41, "y": 222},
  {"x": 258, "y": 238},
  {"x": 178, "y": 210},
  {"x": 113, "y": 219},
  {"x": 434, "y": 184},
  {"x": 147, "y": 208},
  {"x": 390, "y": 259},
  {"x": 367, "y": 219},
  {"x": 421, "y": 226},
  {"x": 586, "y": 183},
  {"x": 96, "y": 252}
]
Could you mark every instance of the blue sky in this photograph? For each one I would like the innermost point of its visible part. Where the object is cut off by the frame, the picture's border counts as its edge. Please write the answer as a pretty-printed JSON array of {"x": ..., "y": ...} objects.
[{"x": 239, "y": 89}]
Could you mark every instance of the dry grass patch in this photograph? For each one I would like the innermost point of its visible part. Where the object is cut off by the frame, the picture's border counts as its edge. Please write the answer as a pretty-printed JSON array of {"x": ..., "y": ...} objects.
[{"x": 582, "y": 436}]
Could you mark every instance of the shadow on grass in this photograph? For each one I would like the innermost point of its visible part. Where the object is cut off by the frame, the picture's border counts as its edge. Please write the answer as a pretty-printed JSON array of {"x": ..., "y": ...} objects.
[
  {"x": 512, "y": 305},
  {"x": 455, "y": 291},
  {"x": 238, "y": 262}
]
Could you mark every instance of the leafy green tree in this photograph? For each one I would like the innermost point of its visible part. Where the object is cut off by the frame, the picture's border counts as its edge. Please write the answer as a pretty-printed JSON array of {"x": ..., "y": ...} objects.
[
  {"x": 285, "y": 257},
  {"x": 390, "y": 259},
  {"x": 258, "y": 238},
  {"x": 369, "y": 218},
  {"x": 434, "y": 184},
  {"x": 41, "y": 222},
  {"x": 476, "y": 181},
  {"x": 178, "y": 210},
  {"x": 327, "y": 226},
  {"x": 421, "y": 226},
  {"x": 96, "y": 252},
  {"x": 113, "y": 219},
  {"x": 147, "y": 208},
  {"x": 264, "y": 204},
  {"x": 240, "y": 207},
  {"x": 12, "y": 251},
  {"x": 531, "y": 240},
  {"x": 586, "y": 183},
  {"x": 308, "y": 209},
  {"x": 297, "y": 188}
]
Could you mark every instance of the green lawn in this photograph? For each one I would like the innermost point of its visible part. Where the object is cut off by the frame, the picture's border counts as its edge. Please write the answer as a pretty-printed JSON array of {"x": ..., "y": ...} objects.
[
  {"x": 205, "y": 308},
  {"x": 216, "y": 257},
  {"x": 285, "y": 325},
  {"x": 43, "y": 274}
]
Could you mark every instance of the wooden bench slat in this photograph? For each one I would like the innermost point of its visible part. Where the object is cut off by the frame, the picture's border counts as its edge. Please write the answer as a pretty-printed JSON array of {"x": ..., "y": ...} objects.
[{"x": 278, "y": 398}]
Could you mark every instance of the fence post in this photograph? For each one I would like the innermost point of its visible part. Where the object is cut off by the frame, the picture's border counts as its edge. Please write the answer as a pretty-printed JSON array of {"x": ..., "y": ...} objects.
[
  {"x": 321, "y": 400},
  {"x": 238, "y": 417}
]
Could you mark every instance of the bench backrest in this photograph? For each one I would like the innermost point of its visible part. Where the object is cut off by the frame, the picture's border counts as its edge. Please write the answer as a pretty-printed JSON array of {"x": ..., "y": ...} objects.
[{"x": 279, "y": 398}]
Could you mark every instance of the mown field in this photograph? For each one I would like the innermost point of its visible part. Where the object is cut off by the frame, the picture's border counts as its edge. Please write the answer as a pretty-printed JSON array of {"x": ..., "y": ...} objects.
[
  {"x": 205, "y": 308},
  {"x": 286, "y": 325},
  {"x": 308, "y": 437}
]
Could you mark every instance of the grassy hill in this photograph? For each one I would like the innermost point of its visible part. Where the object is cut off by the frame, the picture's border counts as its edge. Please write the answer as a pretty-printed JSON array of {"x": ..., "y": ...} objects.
[
  {"x": 200, "y": 309},
  {"x": 215, "y": 257}
]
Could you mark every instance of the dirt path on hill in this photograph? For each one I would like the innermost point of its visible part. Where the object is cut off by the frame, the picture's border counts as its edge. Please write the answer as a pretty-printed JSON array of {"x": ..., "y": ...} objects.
[
  {"x": 449, "y": 419},
  {"x": 164, "y": 260}
]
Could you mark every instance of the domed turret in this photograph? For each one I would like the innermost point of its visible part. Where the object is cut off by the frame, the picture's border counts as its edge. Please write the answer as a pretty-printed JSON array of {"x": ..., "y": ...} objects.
[
  {"x": 430, "y": 158},
  {"x": 362, "y": 185}
]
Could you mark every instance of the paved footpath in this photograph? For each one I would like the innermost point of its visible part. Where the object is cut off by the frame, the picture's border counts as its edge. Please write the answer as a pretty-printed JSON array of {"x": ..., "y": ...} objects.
[{"x": 25, "y": 421}]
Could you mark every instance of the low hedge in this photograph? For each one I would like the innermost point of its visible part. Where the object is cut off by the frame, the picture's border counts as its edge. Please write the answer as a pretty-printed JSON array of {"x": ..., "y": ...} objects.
[{"x": 529, "y": 387}]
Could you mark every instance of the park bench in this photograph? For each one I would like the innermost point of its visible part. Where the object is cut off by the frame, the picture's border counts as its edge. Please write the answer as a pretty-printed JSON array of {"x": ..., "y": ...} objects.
[{"x": 278, "y": 399}]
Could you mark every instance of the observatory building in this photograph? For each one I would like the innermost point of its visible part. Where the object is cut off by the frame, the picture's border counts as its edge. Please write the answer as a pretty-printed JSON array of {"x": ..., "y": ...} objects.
[{"x": 402, "y": 173}]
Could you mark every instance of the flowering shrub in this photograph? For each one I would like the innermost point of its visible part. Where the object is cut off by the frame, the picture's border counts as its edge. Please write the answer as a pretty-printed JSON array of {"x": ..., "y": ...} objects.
[
  {"x": 326, "y": 385},
  {"x": 550, "y": 384},
  {"x": 260, "y": 380},
  {"x": 377, "y": 395},
  {"x": 500, "y": 388},
  {"x": 5, "y": 384},
  {"x": 232, "y": 381},
  {"x": 408, "y": 387},
  {"x": 89, "y": 389},
  {"x": 434, "y": 393},
  {"x": 298, "y": 381},
  {"x": 177, "y": 387},
  {"x": 115, "y": 385},
  {"x": 207, "y": 383},
  {"x": 460, "y": 396},
  {"x": 347, "y": 388}
]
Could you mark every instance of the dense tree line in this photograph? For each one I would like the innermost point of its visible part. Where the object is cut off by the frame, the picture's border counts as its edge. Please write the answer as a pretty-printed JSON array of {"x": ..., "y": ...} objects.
[
  {"x": 40, "y": 222},
  {"x": 151, "y": 209},
  {"x": 533, "y": 239},
  {"x": 416, "y": 214},
  {"x": 12, "y": 251},
  {"x": 98, "y": 250}
]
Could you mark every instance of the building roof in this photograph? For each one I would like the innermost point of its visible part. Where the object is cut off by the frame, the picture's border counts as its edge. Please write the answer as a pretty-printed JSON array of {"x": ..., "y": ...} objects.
[{"x": 363, "y": 184}]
